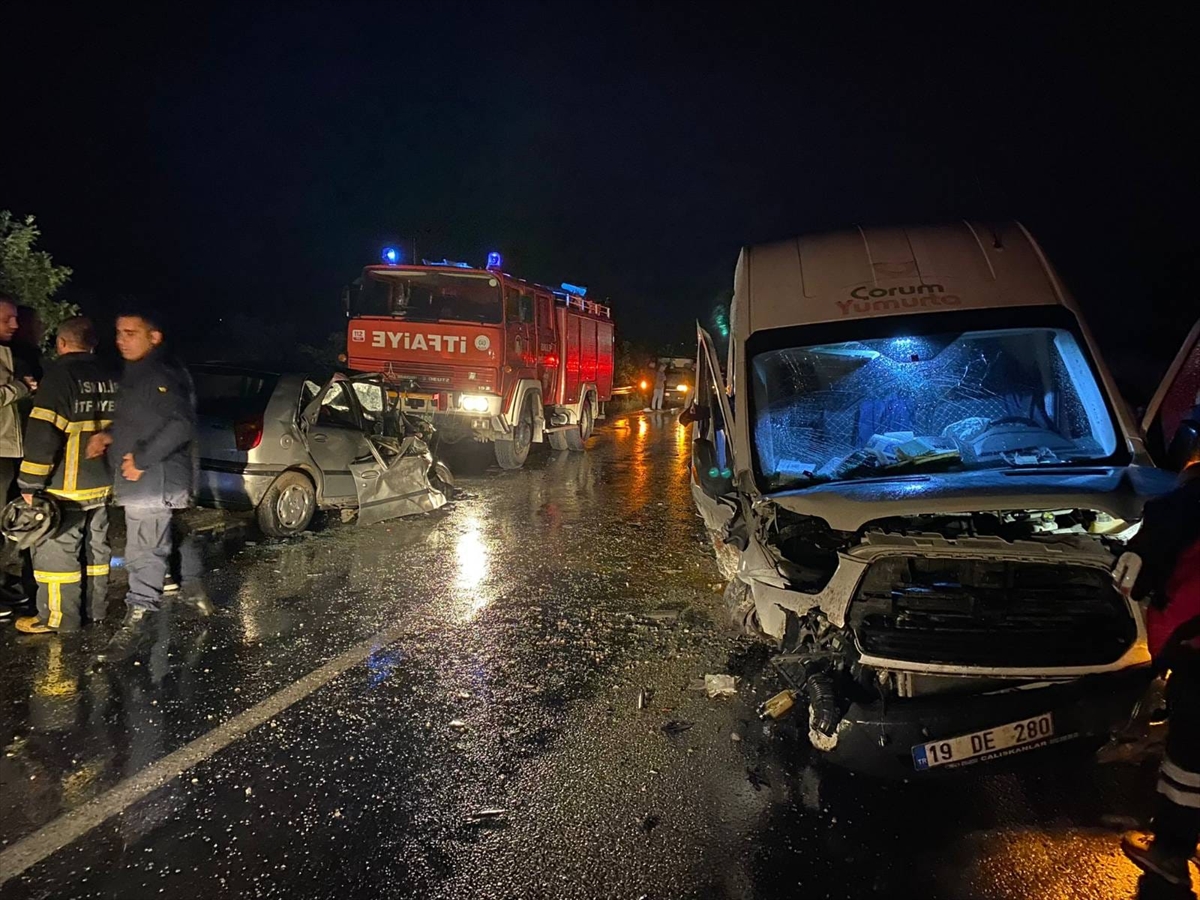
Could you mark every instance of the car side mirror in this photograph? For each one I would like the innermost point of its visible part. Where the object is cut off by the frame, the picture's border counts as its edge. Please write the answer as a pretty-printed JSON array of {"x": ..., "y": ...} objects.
[
  {"x": 1185, "y": 445},
  {"x": 714, "y": 479}
]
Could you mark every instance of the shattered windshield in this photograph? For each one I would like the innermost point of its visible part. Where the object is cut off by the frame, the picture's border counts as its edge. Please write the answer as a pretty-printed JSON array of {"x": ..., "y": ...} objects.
[
  {"x": 430, "y": 296},
  {"x": 934, "y": 402}
]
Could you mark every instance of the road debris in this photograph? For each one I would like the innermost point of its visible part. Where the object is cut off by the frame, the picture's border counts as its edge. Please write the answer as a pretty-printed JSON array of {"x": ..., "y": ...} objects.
[
  {"x": 487, "y": 816},
  {"x": 778, "y": 706},
  {"x": 720, "y": 686},
  {"x": 675, "y": 726},
  {"x": 645, "y": 695}
]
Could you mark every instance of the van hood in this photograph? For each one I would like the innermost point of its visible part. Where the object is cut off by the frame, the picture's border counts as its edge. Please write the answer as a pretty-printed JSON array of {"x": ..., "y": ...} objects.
[{"x": 1120, "y": 491}]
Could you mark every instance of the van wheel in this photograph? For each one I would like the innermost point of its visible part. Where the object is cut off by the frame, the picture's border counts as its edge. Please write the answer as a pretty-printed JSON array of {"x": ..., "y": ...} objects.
[
  {"x": 287, "y": 507},
  {"x": 577, "y": 437},
  {"x": 513, "y": 453}
]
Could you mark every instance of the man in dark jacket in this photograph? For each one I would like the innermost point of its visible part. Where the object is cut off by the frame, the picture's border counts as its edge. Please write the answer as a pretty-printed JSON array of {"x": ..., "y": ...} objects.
[
  {"x": 150, "y": 447},
  {"x": 74, "y": 400}
]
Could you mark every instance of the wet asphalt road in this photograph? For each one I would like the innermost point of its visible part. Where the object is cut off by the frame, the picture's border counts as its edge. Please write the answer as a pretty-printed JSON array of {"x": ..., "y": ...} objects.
[{"x": 447, "y": 707}]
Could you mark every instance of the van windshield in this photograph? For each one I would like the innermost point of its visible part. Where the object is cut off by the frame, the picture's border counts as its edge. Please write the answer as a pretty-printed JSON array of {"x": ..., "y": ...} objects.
[{"x": 953, "y": 401}]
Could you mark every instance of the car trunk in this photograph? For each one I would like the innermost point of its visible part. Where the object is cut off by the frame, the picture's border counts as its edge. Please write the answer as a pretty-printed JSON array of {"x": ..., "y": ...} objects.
[{"x": 230, "y": 407}]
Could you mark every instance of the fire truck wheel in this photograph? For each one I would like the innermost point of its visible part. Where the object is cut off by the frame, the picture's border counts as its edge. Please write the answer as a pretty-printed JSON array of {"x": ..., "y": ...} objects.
[
  {"x": 577, "y": 437},
  {"x": 512, "y": 454},
  {"x": 288, "y": 505},
  {"x": 558, "y": 440}
]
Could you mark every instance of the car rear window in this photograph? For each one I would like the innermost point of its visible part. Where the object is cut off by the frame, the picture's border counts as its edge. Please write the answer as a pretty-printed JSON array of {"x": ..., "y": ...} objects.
[{"x": 232, "y": 395}]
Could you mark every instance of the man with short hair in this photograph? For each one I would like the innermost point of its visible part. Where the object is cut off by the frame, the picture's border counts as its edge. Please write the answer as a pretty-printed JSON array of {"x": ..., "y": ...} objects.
[
  {"x": 75, "y": 400},
  {"x": 150, "y": 447},
  {"x": 17, "y": 382}
]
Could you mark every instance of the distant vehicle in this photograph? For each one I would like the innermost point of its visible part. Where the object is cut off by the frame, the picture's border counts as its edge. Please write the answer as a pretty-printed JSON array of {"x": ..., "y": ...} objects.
[
  {"x": 917, "y": 477},
  {"x": 681, "y": 378},
  {"x": 483, "y": 354},
  {"x": 286, "y": 445}
]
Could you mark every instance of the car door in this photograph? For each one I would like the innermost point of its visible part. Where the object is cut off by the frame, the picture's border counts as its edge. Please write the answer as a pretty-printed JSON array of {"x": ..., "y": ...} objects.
[
  {"x": 712, "y": 464},
  {"x": 336, "y": 437},
  {"x": 1172, "y": 419}
]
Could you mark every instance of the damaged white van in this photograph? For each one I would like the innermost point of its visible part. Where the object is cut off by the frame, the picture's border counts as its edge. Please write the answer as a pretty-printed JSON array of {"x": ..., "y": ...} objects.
[{"x": 917, "y": 472}]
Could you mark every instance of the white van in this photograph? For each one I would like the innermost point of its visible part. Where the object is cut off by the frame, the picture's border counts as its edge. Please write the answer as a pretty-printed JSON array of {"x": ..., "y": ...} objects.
[{"x": 917, "y": 473}]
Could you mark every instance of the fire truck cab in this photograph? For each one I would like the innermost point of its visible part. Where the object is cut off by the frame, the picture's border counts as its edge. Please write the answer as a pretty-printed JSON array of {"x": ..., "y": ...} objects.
[{"x": 484, "y": 354}]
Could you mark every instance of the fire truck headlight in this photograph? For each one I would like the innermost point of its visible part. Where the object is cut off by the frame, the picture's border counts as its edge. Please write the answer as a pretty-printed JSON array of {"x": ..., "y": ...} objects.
[{"x": 473, "y": 403}]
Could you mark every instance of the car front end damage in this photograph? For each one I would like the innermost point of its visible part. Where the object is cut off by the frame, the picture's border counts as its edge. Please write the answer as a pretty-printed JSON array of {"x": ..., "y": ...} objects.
[{"x": 933, "y": 642}]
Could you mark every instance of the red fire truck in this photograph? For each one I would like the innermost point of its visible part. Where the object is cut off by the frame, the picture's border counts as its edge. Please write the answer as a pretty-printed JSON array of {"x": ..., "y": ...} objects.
[{"x": 484, "y": 354}]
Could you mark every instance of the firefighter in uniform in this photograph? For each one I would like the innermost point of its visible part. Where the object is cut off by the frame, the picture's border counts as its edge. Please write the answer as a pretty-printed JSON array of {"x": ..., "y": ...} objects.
[
  {"x": 74, "y": 400},
  {"x": 1162, "y": 563}
]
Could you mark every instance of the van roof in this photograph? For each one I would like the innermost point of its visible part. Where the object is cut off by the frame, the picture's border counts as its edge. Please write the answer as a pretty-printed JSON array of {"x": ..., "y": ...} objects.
[{"x": 871, "y": 272}]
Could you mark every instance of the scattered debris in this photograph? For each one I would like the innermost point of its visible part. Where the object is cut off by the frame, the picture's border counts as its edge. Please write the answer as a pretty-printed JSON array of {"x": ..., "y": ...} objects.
[
  {"x": 675, "y": 726},
  {"x": 696, "y": 686},
  {"x": 720, "y": 686},
  {"x": 663, "y": 616},
  {"x": 757, "y": 780},
  {"x": 487, "y": 816},
  {"x": 735, "y": 737},
  {"x": 645, "y": 695},
  {"x": 649, "y": 823},
  {"x": 778, "y": 706},
  {"x": 458, "y": 724}
]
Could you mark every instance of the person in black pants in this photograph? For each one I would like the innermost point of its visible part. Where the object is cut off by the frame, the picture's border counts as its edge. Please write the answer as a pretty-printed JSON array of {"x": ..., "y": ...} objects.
[
  {"x": 1162, "y": 564},
  {"x": 150, "y": 447}
]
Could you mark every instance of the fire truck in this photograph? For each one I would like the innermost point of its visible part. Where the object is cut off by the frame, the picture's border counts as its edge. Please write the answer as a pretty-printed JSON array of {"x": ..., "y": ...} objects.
[{"x": 484, "y": 354}]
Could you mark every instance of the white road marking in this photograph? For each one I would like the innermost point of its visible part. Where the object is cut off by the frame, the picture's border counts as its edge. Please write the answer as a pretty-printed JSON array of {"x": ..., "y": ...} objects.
[{"x": 70, "y": 826}]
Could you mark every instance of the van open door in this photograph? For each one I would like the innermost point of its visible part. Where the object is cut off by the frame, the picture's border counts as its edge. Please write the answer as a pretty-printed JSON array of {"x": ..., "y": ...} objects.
[
  {"x": 712, "y": 464},
  {"x": 1172, "y": 420}
]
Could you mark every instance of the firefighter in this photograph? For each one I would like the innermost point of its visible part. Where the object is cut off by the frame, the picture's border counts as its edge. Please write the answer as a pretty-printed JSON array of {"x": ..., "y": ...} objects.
[
  {"x": 1162, "y": 563},
  {"x": 74, "y": 400},
  {"x": 150, "y": 447}
]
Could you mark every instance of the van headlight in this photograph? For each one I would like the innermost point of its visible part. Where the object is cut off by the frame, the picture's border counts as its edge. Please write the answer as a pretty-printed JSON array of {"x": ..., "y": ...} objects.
[{"x": 476, "y": 403}]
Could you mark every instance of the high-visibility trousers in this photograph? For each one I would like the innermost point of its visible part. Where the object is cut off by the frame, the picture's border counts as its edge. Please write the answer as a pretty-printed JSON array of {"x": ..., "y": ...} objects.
[
  {"x": 71, "y": 569},
  {"x": 1177, "y": 825}
]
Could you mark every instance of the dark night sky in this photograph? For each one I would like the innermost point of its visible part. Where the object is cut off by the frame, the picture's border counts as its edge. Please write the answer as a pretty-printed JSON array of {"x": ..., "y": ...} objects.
[{"x": 254, "y": 157}]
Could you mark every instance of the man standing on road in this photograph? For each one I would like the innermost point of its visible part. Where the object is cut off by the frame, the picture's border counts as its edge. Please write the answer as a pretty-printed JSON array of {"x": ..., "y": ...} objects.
[
  {"x": 16, "y": 383},
  {"x": 150, "y": 447},
  {"x": 660, "y": 385},
  {"x": 74, "y": 401}
]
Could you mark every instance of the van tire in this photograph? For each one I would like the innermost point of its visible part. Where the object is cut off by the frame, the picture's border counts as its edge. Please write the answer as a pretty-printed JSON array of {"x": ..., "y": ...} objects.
[
  {"x": 577, "y": 437},
  {"x": 511, "y": 454},
  {"x": 288, "y": 506}
]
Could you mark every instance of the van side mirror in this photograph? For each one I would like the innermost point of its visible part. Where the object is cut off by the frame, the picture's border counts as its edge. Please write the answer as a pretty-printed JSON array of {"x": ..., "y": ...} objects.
[
  {"x": 714, "y": 480},
  {"x": 1185, "y": 445}
]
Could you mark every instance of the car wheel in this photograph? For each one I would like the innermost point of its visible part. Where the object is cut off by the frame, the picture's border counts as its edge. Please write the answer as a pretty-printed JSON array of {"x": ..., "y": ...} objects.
[
  {"x": 512, "y": 454},
  {"x": 287, "y": 507},
  {"x": 577, "y": 437}
]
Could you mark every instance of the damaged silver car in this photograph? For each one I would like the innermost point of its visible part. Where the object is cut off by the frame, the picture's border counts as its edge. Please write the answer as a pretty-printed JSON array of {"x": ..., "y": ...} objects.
[
  {"x": 917, "y": 474},
  {"x": 286, "y": 445}
]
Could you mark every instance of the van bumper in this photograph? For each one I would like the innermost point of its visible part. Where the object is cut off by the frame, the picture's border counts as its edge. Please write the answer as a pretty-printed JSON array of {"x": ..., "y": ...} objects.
[{"x": 877, "y": 739}]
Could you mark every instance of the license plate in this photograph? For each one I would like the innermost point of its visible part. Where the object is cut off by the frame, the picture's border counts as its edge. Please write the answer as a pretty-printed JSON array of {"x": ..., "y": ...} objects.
[{"x": 1033, "y": 730}]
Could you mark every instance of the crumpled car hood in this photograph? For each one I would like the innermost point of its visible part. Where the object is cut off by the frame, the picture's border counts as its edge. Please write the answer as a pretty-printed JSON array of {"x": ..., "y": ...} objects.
[{"x": 1119, "y": 491}]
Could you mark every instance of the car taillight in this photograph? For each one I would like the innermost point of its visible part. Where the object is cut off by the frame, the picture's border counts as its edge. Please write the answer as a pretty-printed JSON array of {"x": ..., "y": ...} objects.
[{"x": 247, "y": 434}]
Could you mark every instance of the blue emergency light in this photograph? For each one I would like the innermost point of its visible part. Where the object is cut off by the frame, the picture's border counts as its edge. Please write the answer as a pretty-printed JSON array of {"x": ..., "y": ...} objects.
[
  {"x": 390, "y": 255},
  {"x": 494, "y": 260},
  {"x": 575, "y": 289}
]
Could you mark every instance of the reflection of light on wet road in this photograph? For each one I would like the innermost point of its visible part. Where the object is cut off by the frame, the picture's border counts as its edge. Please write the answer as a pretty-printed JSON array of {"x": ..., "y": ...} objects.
[
  {"x": 471, "y": 557},
  {"x": 643, "y": 427}
]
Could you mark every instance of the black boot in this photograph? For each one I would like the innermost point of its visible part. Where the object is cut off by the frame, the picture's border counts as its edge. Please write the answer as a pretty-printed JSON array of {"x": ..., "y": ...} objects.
[
  {"x": 133, "y": 634},
  {"x": 192, "y": 594}
]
